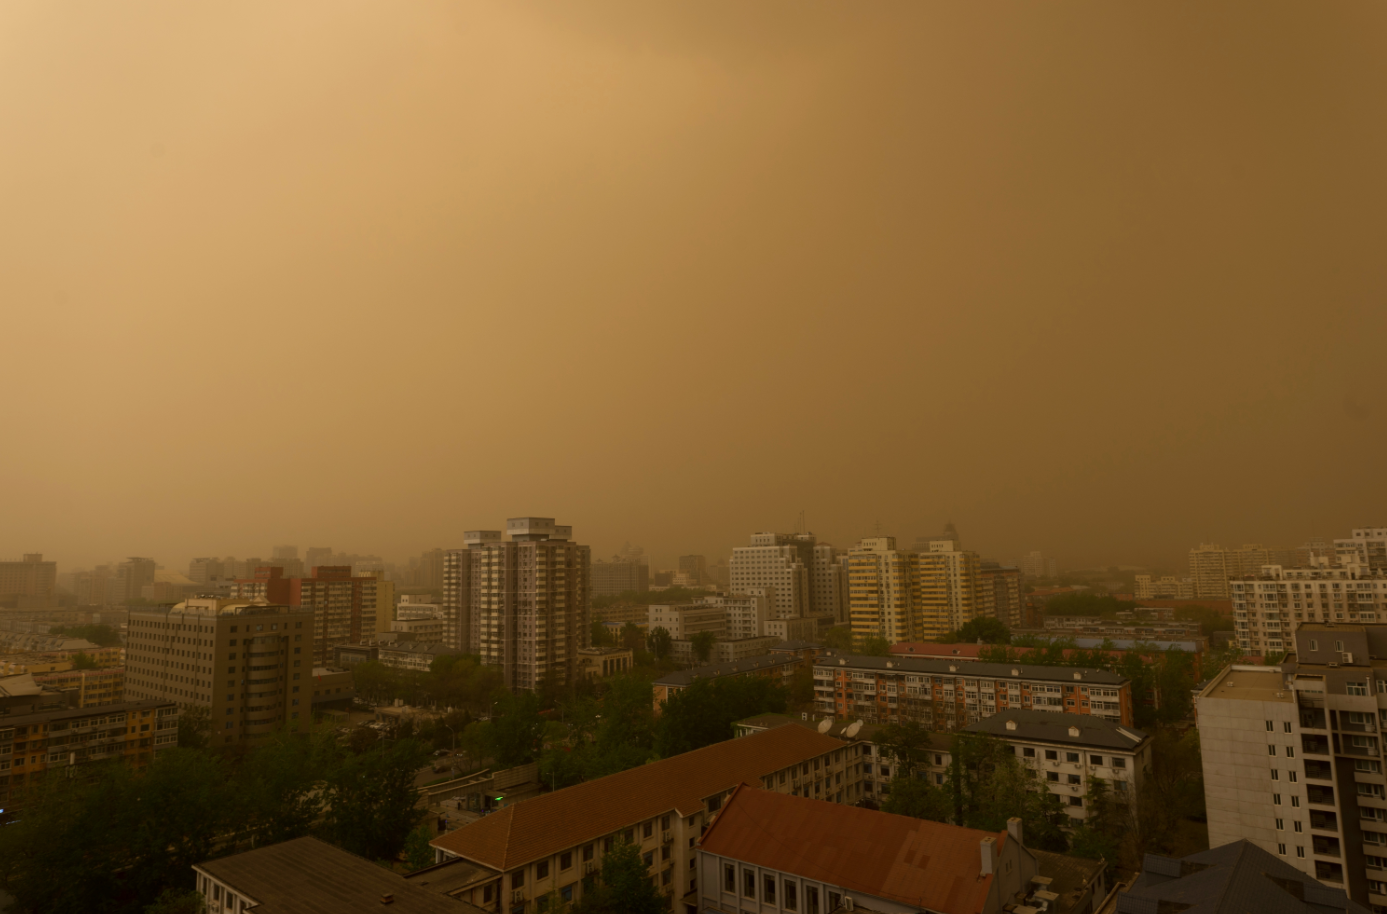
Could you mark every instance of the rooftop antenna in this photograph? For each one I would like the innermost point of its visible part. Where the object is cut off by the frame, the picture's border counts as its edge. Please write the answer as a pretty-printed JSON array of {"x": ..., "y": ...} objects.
[{"x": 800, "y": 525}]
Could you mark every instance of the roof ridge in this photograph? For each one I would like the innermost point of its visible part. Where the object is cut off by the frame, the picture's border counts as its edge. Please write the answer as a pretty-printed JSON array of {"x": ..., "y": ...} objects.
[
  {"x": 717, "y": 816},
  {"x": 1228, "y": 882}
]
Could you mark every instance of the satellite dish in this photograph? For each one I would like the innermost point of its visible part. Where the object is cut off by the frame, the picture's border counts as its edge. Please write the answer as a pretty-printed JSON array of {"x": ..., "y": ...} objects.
[
  {"x": 825, "y": 725},
  {"x": 852, "y": 729}
]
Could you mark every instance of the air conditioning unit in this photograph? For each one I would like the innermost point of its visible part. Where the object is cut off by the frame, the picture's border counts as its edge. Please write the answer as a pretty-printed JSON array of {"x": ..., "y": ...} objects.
[
  {"x": 668, "y": 838},
  {"x": 590, "y": 867},
  {"x": 1348, "y": 657},
  {"x": 517, "y": 895},
  {"x": 847, "y": 902}
]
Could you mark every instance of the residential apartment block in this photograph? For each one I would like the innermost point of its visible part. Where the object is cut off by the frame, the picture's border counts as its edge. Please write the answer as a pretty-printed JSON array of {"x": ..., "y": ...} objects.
[
  {"x": 1365, "y": 546},
  {"x": 87, "y": 688},
  {"x": 247, "y": 663},
  {"x": 947, "y": 695},
  {"x": 694, "y": 568},
  {"x": 685, "y": 620},
  {"x": 30, "y": 583},
  {"x": 526, "y": 599},
  {"x": 47, "y": 740},
  {"x": 554, "y": 842},
  {"x": 1269, "y": 606},
  {"x": 999, "y": 594},
  {"x": 1293, "y": 757},
  {"x": 884, "y": 597},
  {"x": 768, "y": 851},
  {"x": 614, "y": 577},
  {"x": 1166, "y": 587},
  {"x": 344, "y": 604},
  {"x": 779, "y": 561}
]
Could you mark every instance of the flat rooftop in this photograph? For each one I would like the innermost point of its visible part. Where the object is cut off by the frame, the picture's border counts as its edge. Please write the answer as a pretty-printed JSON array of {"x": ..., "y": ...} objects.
[{"x": 1249, "y": 683}]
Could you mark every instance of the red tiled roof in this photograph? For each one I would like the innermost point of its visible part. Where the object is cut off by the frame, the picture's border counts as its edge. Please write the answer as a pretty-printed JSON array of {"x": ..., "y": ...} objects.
[
  {"x": 913, "y": 861},
  {"x": 553, "y": 822}
]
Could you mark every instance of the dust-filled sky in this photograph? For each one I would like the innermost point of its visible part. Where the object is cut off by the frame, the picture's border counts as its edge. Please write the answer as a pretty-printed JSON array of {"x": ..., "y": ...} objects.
[{"x": 1103, "y": 279}]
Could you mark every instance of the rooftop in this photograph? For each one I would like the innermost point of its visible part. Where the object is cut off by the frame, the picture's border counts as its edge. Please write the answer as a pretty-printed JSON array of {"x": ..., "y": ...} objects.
[
  {"x": 715, "y": 670},
  {"x": 1070, "y": 877},
  {"x": 1230, "y": 879},
  {"x": 38, "y": 717},
  {"x": 1046, "y": 726},
  {"x": 553, "y": 822},
  {"x": 308, "y": 876},
  {"x": 796, "y": 646},
  {"x": 970, "y": 668},
  {"x": 887, "y": 856},
  {"x": 1249, "y": 683},
  {"x": 417, "y": 647}
]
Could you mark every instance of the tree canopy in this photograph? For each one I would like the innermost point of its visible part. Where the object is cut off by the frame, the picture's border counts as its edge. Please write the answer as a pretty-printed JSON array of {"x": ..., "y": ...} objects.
[{"x": 703, "y": 713}]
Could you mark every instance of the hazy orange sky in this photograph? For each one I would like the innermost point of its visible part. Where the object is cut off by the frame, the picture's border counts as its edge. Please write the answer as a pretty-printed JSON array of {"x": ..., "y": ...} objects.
[{"x": 1101, "y": 279}]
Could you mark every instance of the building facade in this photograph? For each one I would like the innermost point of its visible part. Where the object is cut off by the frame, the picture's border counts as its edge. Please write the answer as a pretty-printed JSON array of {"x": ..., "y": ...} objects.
[
  {"x": 343, "y": 604},
  {"x": 612, "y": 578},
  {"x": 1293, "y": 757},
  {"x": 528, "y": 604},
  {"x": 1269, "y": 606},
  {"x": 779, "y": 561},
  {"x": 30, "y": 583},
  {"x": 948, "y": 695},
  {"x": 246, "y": 663},
  {"x": 884, "y": 598},
  {"x": 1209, "y": 571},
  {"x": 44, "y": 741},
  {"x": 553, "y": 842}
]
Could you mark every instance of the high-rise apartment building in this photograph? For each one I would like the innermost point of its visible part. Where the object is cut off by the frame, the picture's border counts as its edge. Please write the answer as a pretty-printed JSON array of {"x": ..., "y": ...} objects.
[
  {"x": 205, "y": 570},
  {"x": 28, "y": 584},
  {"x": 783, "y": 561},
  {"x": 695, "y": 569},
  {"x": 1166, "y": 587},
  {"x": 1293, "y": 757},
  {"x": 318, "y": 555},
  {"x": 960, "y": 571},
  {"x": 828, "y": 584},
  {"x": 616, "y": 577},
  {"x": 248, "y": 663},
  {"x": 1033, "y": 564},
  {"x": 883, "y": 591},
  {"x": 285, "y": 553},
  {"x": 1268, "y": 607},
  {"x": 131, "y": 577},
  {"x": 1366, "y": 546},
  {"x": 527, "y": 603},
  {"x": 1209, "y": 571},
  {"x": 344, "y": 605},
  {"x": 999, "y": 593}
]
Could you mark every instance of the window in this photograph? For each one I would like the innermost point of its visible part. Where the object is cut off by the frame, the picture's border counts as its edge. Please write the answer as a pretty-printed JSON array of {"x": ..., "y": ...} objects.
[
  {"x": 1095, "y": 759},
  {"x": 1270, "y": 726},
  {"x": 768, "y": 889},
  {"x": 1119, "y": 762},
  {"x": 1076, "y": 801},
  {"x": 587, "y": 853},
  {"x": 542, "y": 869},
  {"x": 1300, "y": 850},
  {"x": 629, "y": 836},
  {"x": 1276, "y": 799},
  {"x": 664, "y": 823},
  {"x": 565, "y": 860},
  {"x": 1075, "y": 779},
  {"x": 517, "y": 879},
  {"x": 835, "y": 901},
  {"x": 1298, "y": 826},
  {"x": 1281, "y": 849},
  {"x": 1071, "y": 756},
  {"x": 1291, "y": 776},
  {"x": 791, "y": 901},
  {"x": 566, "y": 893},
  {"x": 1286, "y": 725},
  {"x": 1275, "y": 775},
  {"x": 812, "y": 894},
  {"x": 1271, "y": 750},
  {"x": 1280, "y": 824},
  {"x": 1053, "y": 776},
  {"x": 1051, "y": 755},
  {"x": 1290, "y": 752},
  {"x": 729, "y": 878},
  {"x": 647, "y": 829},
  {"x": 1295, "y": 801},
  {"x": 748, "y": 884},
  {"x": 1028, "y": 752}
]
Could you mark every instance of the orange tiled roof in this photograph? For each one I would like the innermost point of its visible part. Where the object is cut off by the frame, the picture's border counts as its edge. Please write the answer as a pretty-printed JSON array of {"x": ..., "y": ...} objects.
[
  {"x": 547, "y": 824},
  {"x": 920, "y": 863}
]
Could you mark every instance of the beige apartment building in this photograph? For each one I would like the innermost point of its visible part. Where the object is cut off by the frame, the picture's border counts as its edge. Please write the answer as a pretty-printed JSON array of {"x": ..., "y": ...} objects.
[
  {"x": 1268, "y": 607},
  {"x": 685, "y": 620},
  {"x": 28, "y": 584},
  {"x": 1209, "y": 571},
  {"x": 554, "y": 843},
  {"x": 526, "y": 603},
  {"x": 248, "y": 663},
  {"x": 884, "y": 594}
]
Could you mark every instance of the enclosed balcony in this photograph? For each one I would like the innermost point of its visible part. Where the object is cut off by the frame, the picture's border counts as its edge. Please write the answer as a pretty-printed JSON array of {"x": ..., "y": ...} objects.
[
  {"x": 1319, "y": 795},
  {"x": 1312, "y": 718},
  {"x": 1314, "y": 745},
  {"x": 1326, "y": 847},
  {"x": 1324, "y": 821},
  {"x": 1318, "y": 771}
]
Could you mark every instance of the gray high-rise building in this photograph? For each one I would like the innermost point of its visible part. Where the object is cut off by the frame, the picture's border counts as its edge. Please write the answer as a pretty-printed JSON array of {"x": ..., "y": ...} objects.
[{"x": 617, "y": 577}]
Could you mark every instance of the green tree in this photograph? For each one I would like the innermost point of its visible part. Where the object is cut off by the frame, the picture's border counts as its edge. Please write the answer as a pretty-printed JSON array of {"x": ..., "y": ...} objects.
[
  {"x": 1175, "y": 680},
  {"x": 600, "y": 636},
  {"x": 625, "y": 887},
  {"x": 362, "y": 739},
  {"x": 660, "y": 642},
  {"x": 418, "y": 851},
  {"x": 909, "y": 742},
  {"x": 986, "y": 630},
  {"x": 874, "y": 646},
  {"x": 194, "y": 727},
  {"x": 838, "y": 638},
  {"x": 703, "y": 714},
  {"x": 102, "y": 635},
  {"x": 281, "y": 781},
  {"x": 1086, "y": 603},
  {"x": 84, "y": 661},
  {"x": 702, "y": 644},
  {"x": 372, "y": 799},
  {"x": 990, "y": 785},
  {"x": 517, "y": 729},
  {"x": 632, "y": 638},
  {"x": 919, "y": 799},
  {"x": 174, "y": 901},
  {"x": 1105, "y": 823}
]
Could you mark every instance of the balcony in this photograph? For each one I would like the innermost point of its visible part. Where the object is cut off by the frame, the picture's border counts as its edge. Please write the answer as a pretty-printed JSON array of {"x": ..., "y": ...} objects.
[
  {"x": 1326, "y": 847},
  {"x": 1313, "y": 719},
  {"x": 1318, "y": 771},
  {"x": 1320, "y": 796},
  {"x": 1314, "y": 745},
  {"x": 1324, "y": 821}
]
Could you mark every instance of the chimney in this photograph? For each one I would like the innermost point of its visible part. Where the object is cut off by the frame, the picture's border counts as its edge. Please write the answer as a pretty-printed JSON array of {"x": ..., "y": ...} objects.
[
  {"x": 988, "y": 846},
  {"x": 387, "y": 899},
  {"x": 1014, "y": 829}
]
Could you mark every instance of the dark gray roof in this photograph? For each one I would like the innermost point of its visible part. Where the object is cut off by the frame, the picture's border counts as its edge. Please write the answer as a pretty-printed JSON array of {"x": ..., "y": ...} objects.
[
  {"x": 716, "y": 670},
  {"x": 1072, "y": 878},
  {"x": 1233, "y": 878},
  {"x": 797, "y": 646},
  {"x": 417, "y": 647},
  {"x": 54, "y": 714},
  {"x": 971, "y": 668},
  {"x": 1046, "y": 726},
  {"x": 308, "y": 876}
]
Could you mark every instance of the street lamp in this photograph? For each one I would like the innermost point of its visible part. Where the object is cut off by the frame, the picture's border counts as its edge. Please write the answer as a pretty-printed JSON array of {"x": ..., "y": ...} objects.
[{"x": 455, "y": 735}]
